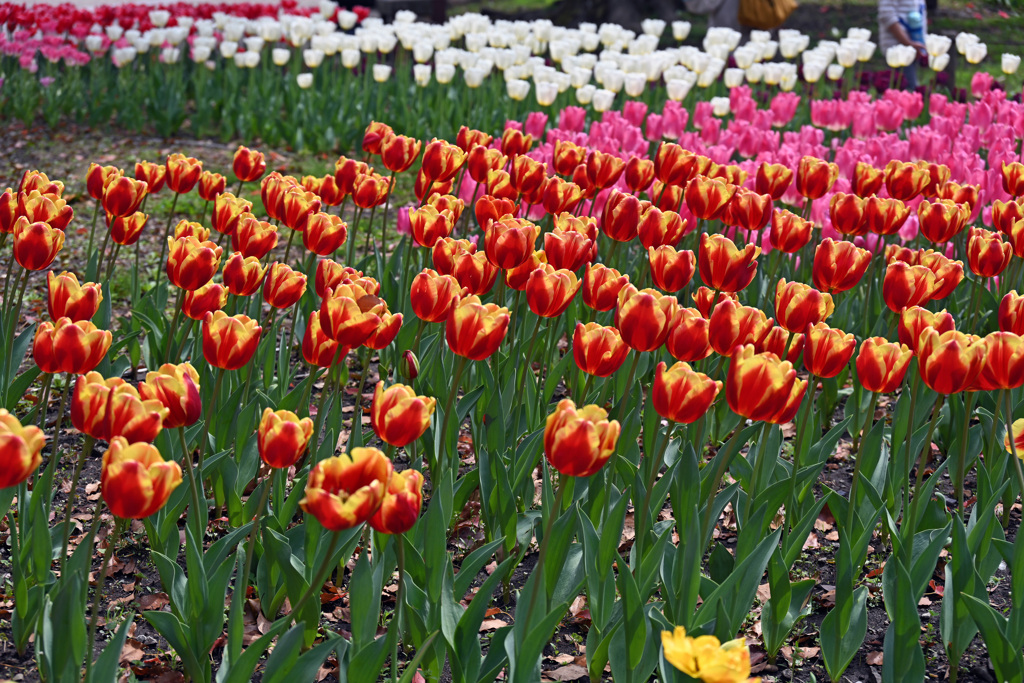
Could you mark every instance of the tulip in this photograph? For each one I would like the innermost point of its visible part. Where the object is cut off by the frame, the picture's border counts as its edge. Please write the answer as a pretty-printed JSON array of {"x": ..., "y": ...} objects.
[
  {"x": 601, "y": 286},
  {"x": 474, "y": 272},
  {"x": 385, "y": 332},
  {"x": 50, "y": 209},
  {"x": 514, "y": 142},
  {"x": 773, "y": 180},
  {"x": 467, "y": 139},
  {"x": 1006, "y": 214},
  {"x": 346, "y": 171},
  {"x": 508, "y": 242},
  {"x": 253, "y": 237},
  {"x": 885, "y": 216},
  {"x": 603, "y": 170},
  {"x": 847, "y": 214},
  {"x": 126, "y": 230},
  {"x": 154, "y": 175},
  {"x": 122, "y": 196},
  {"x": 621, "y": 217},
  {"x": 643, "y": 317},
  {"x": 97, "y": 177},
  {"x": 960, "y": 194},
  {"x": 433, "y": 295},
  {"x": 704, "y": 299},
  {"x": 516, "y": 278},
  {"x": 938, "y": 175},
  {"x": 499, "y": 184},
  {"x": 125, "y": 414},
  {"x": 346, "y": 490},
  {"x": 675, "y": 166},
  {"x": 229, "y": 342},
  {"x": 298, "y": 205},
  {"x": 190, "y": 262},
  {"x": 282, "y": 437},
  {"x": 549, "y": 291},
  {"x": 827, "y": 351},
  {"x": 815, "y": 177},
  {"x": 798, "y": 305},
  {"x": 951, "y": 273},
  {"x": 401, "y": 505},
  {"x": 135, "y": 480},
  {"x": 228, "y": 212},
  {"x": 90, "y": 401},
  {"x": 723, "y": 267},
  {"x": 482, "y": 161},
  {"x": 1013, "y": 178},
  {"x": 914, "y": 319},
  {"x": 36, "y": 245},
  {"x": 429, "y": 225},
  {"x": 657, "y": 228},
  {"x": 789, "y": 233},
  {"x": 671, "y": 270},
  {"x": 570, "y": 248},
  {"x": 272, "y": 191},
  {"x": 705, "y": 657},
  {"x": 904, "y": 180},
  {"x": 867, "y": 180},
  {"x": 317, "y": 348},
  {"x": 446, "y": 252},
  {"x": 349, "y": 314},
  {"x": 324, "y": 233},
  {"x": 748, "y": 210},
  {"x": 729, "y": 173},
  {"x": 1002, "y": 364},
  {"x": 329, "y": 191},
  {"x": 283, "y": 286},
  {"x": 761, "y": 387},
  {"x": 489, "y": 208},
  {"x": 66, "y": 298},
  {"x": 838, "y": 266},
  {"x": 211, "y": 185},
  {"x": 1011, "y": 313},
  {"x": 37, "y": 180},
  {"x": 176, "y": 387},
  {"x": 449, "y": 203},
  {"x": 732, "y": 325},
  {"x": 191, "y": 229},
  {"x": 243, "y": 275},
  {"x": 639, "y": 174},
  {"x": 20, "y": 450},
  {"x": 598, "y": 350},
  {"x": 905, "y": 286},
  {"x": 207, "y": 299},
  {"x": 1016, "y": 430},
  {"x": 578, "y": 442},
  {"x": 441, "y": 161},
  {"x": 987, "y": 253},
  {"x": 248, "y": 164},
  {"x": 681, "y": 395},
  {"x": 688, "y": 338},
  {"x": 942, "y": 220},
  {"x": 474, "y": 330},
  {"x": 560, "y": 196},
  {"x": 949, "y": 362},
  {"x": 398, "y": 415},
  {"x": 69, "y": 346},
  {"x": 708, "y": 198},
  {"x": 526, "y": 175},
  {"x": 183, "y": 173}
]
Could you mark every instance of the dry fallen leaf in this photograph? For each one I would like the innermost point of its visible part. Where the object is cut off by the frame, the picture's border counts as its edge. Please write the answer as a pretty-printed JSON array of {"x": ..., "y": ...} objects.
[
  {"x": 131, "y": 652},
  {"x": 154, "y": 601},
  {"x": 875, "y": 658},
  {"x": 491, "y": 625},
  {"x": 569, "y": 672},
  {"x": 764, "y": 592}
]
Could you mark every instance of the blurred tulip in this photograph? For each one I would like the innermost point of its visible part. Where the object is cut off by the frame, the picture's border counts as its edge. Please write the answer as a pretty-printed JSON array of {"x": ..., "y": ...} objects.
[
  {"x": 708, "y": 199},
  {"x": 248, "y": 164},
  {"x": 135, "y": 479},
  {"x": 446, "y": 252},
  {"x": 345, "y": 490},
  {"x": 675, "y": 166},
  {"x": 798, "y": 305},
  {"x": 578, "y": 442},
  {"x": 789, "y": 233},
  {"x": 514, "y": 143},
  {"x": 621, "y": 218},
  {"x": 773, "y": 180},
  {"x": 243, "y": 275},
  {"x": 1013, "y": 178},
  {"x": 688, "y": 337},
  {"x": 724, "y": 267},
  {"x": 154, "y": 175},
  {"x": 949, "y": 362},
  {"x": 815, "y": 177},
  {"x": 37, "y": 207},
  {"x": 66, "y": 298},
  {"x": 433, "y": 295},
  {"x": 706, "y": 658},
  {"x": 211, "y": 185},
  {"x": 20, "y": 449},
  {"x": 827, "y": 351},
  {"x": 183, "y": 173},
  {"x": 401, "y": 505},
  {"x": 191, "y": 263},
  {"x": 601, "y": 286},
  {"x": 69, "y": 346},
  {"x": 905, "y": 180},
  {"x": 186, "y": 228},
  {"x": 207, "y": 299},
  {"x": 1011, "y": 313},
  {"x": 671, "y": 270},
  {"x": 838, "y": 266},
  {"x": 8, "y": 211},
  {"x": 867, "y": 180},
  {"x": 474, "y": 330},
  {"x": 1016, "y": 431},
  {"x": 282, "y": 437},
  {"x": 229, "y": 342},
  {"x": 228, "y": 212},
  {"x": 681, "y": 395},
  {"x": 176, "y": 387},
  {"x": 398, "y": 415},
  {"x": 1006, "y": 214},
  {"x": 467, "y": 139},
  {"x": 643, "y": 317},
  {"x": 481, "y": 161},
  {"x": 760, "y": 387}
]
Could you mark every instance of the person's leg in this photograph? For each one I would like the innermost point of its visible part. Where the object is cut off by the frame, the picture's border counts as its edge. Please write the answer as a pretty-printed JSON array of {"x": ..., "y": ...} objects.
[{"x": 910, "y": 76}]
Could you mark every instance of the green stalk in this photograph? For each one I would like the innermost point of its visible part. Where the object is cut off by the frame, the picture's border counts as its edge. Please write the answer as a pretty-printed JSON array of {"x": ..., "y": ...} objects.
[
  {"x": 396, "y": 622},
  {"x": 652, "y": 477},
  {"x": 186, "y": 463},
  {"x": 923, "y": 458},
  {"x": 211, "y": 407},
  {"x": 851, "y": 510},
  {"x": 440, "y": 460},
  {"x": 167, "y": 233},
  {"x": 321, "y": 576},
  {"x": 87, "y": 445},
  {"x": 961, "y": 465},
  {"x": 174, "y": 324},
  {"x": 542, "y": 552},
  {"x": 101, "y": 582}
]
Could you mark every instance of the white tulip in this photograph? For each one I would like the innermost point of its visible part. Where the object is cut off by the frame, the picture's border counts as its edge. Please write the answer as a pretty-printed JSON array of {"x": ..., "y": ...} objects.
[
  {"x": 305, "y": 80},
  {"x": 228, "y": 48},
  {"x": 788, "y": 81},
  {"x": 894, "y": 56},
  {"x": 422, "y": 51},
  {"x": 1010, "y": 63},
  {"x": 347, "y": 19},
  {"x": 350, "y": 58},
  {"x": 122, "y": 56},
  {"x": 474, "y": 77},
  {"x": 734, "y": 77},
  {"x": 444, "y": 73},
  {"x": 677, "y": 89},
  {"x": 963, "y": 40},
  {"x": 200, "y": 53},
  {"x": 170, "y": 55},
  {"x": 585, "y": 95},
  {"x": 386, "y": 43},
  {"x": 421, "y": 74},
  {"x": 653, "y": 27},
  {"x": 312, "y": 58},
  {"x": 635, "y": 84},
  {"x": 254, "y": 44},
  {"x": 93, "y": 42},
  {"x": 976, "y": 53},
  {"x": 114, "y": 32},
  {"x": 517, "y": 89},
  {"x": 681, "y": 30},
  {"x": 937, "y": 44},
  {"x": 846, "y": 55},
  {"x": 755, "y": 73},
  {"x": 859, "y": 33},
  {"x": 772, "y": 73},
  {"x": 328, "y": 8},
  {"x": 280, "y": 56},
  {"x": 234, "y": 31},
  {"x": 381, "y": 72},
  {"x": 404, "y": 16},
  {"x": 720, "y": 106},
  {"x": 834, "y": 72},
  {"x": 867, "y": 51},
  {"x": 603, "y": 100},
  {"x": 939, "y": 62},
  {"x": 546, "y": 93},
  {"x": 240, "y": 59},
  {"x": 141, "y": 44},
  {"x": 159, "y": 17}
]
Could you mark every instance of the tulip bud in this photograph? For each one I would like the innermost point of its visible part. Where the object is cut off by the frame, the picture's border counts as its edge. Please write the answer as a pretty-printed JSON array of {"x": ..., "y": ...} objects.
[
  {"x": 20, "y": 449},
  {"x": 66, "y": 298},
  {"x": 228, "y": 212},
  {"x": 905, "y": 286},
  {"x": 401, "y": 505},
  {"x": 282, "y": 437},
  {"x": 229, "y": 342},
  {"x": 122, "y": 196},
  {"x": 154, "y": 175},
  {"x": 949, "y": 362},
  {"x": 838, "y": 266},
  {"x": 681, "y": 395},
  {"x": 183, "y": 173},
  {"x": 97, "y": 177},
  {"x": 1011, "y": 313},
  {"x": 474, "y": 330},
  {"x": 578, "y": 442},
  {"x": 345, "y": 490},
  {"x": 135, "y": 480},
  {"x": 708, "y": 198},
  {"x": 905, "y": 180},
  {"x": 761, "y": 387},
  {"x": 398, "y": 415},
  {"x": 1002, "y": 365},
  {"x": 207, "y": 299},
  {"x": 191, "y": 263},
  {"x": 248, "y": 164},
  {"x": 724, "y": 267},
  {"x": 409, "y": 366},
  {"x": 643, "y": 317},
  {"x": 176, "y": 387},
  {"x": 881, "y": 364},
  {"x": 211, "y": 185},
  {"x": 827, "y": 351}
]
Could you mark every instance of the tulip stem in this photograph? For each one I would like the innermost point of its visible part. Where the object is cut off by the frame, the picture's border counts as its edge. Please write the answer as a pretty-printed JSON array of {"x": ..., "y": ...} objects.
[
  {"x": 923, "y": 458},
  {"x": 14, "y": 327},
  {"x": 178, "y": 350},
  {"x": 914, "y": 386},
  {"x": 528, "y": 365},
  {"x": 113, "y": 260},
  {"x": 538, "y": 570},
  {"x": 352, "y": 237},
  {"x": 1013, "y": 444},
  {"x": 586, "y": 389},
  {"x": 384, "y": 226},
  {"x": 186, "y": 463},
  {"x": 210, "y": 410},
  {"x": 7, "y": 278},
  {"x": 174, "y": 324},
  {"x": 87, "y": 445},
  {"x": 167, "y": 232},
  {"x": 460, "y": 366},
  {"x": 92, "y": 229},
  {"x": 396, "y": 621},
  {"x": 652, "y": 477},
  {"x": 44, "y": 399},
  {"x": 369, "y": 233},
  {"x": 253, "y": 535},
  {"x": 52, "y": 465},
  {"x": 624, "y": 400},
  {"x": 288, "y": 247},
  {"x": 321, "y": 575},
  {"x": 325, "y": 391},
  {"x": 851, "y": 509},
  {"x": 961, "y": 463},
  {"x": 97, "y": 602},
  {"x": 801, "y": 431}
]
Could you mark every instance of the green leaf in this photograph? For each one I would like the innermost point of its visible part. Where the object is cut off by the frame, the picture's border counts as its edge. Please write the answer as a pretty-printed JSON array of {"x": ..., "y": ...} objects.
[
  {"x": 105, "y": 668},
  {"x": 842, "y": 635},
  {"x": 1005, "y": 657}
]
